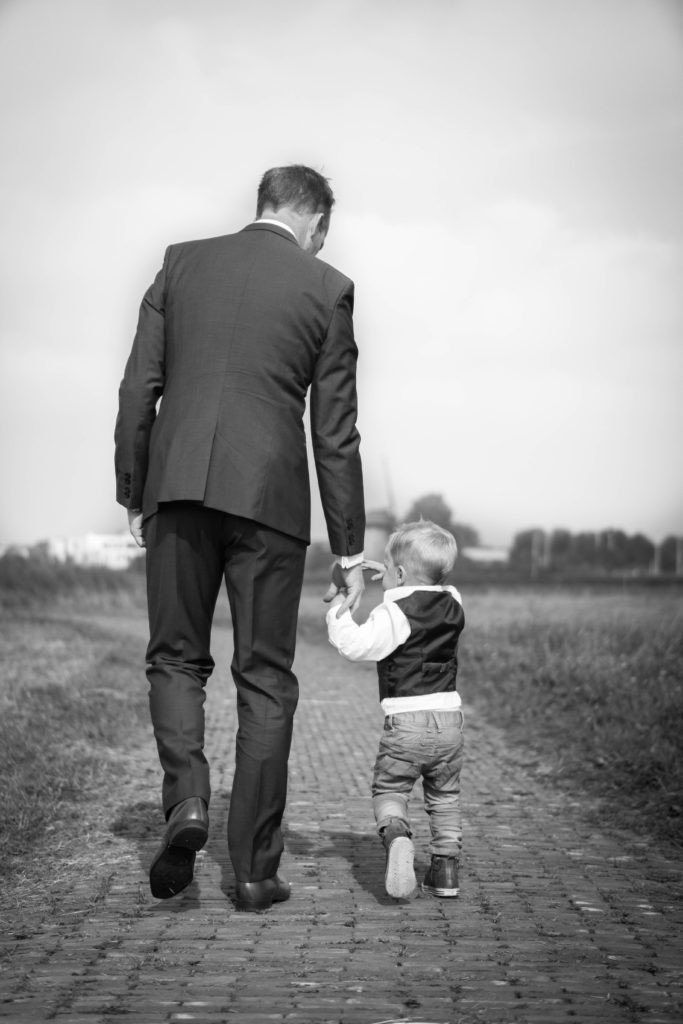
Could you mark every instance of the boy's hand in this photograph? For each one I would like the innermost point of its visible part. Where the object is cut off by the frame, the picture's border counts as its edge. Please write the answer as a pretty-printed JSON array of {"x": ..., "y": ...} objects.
[{"x": 377, "y": 567}]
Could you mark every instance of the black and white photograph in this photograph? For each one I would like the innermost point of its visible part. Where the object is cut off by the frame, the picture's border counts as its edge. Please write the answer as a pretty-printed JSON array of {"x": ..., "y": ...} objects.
[{"x": 341, "y": 529}]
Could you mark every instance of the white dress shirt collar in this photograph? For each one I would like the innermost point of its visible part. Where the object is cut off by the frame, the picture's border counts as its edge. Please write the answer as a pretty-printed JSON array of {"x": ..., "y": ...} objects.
[{"x": 279, "y": 224}]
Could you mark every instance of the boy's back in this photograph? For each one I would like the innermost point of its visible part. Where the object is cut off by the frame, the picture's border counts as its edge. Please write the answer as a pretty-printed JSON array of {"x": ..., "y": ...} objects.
[
  {"x": 413, "y": 636},
  {"x": 426, "y": 663}
]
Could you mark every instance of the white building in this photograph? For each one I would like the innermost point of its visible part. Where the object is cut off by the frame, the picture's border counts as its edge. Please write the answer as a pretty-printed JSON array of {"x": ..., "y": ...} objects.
[
  {"x": 113, "y": 550},
  {"x": 487, "y": 556}
]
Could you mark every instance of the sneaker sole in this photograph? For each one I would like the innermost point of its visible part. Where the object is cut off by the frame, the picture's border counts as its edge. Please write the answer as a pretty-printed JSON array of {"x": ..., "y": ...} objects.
[
  {"x": 435, "y": 891},
  {"x": 399, "y": 880}
]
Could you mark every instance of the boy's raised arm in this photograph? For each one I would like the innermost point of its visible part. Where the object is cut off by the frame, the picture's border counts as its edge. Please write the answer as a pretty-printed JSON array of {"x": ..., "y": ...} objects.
[{"x": 385, "y": 629}]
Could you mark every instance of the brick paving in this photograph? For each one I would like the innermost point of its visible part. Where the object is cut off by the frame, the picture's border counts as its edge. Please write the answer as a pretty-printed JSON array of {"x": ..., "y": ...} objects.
[{"x": 555, "y": 922}]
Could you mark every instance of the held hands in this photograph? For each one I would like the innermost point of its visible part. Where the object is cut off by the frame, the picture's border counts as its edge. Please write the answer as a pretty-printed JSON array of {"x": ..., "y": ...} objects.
[
  {"x": 135, "y": 526},
  {"x": 346, "y": 586}
]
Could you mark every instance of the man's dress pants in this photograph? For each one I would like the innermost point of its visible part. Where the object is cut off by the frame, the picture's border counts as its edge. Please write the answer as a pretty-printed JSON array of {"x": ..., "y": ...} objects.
[{"x": 190, "y": 550}]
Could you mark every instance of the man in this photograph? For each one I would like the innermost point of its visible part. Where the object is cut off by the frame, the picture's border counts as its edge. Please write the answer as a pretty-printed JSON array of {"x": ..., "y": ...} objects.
[{"x": 231, "y": 335}]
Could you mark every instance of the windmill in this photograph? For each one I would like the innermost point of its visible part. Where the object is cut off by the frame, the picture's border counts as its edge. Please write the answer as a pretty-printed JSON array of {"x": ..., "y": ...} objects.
[{"x": 379, "y": 522}]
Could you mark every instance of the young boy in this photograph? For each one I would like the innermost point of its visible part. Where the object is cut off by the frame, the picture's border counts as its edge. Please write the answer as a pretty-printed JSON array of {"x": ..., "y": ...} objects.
[{"x": 413, "y": 637}]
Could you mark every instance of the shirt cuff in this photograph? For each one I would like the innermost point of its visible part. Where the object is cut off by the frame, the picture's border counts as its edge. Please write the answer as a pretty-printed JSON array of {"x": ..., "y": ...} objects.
[{"x": 348, "y": 561}]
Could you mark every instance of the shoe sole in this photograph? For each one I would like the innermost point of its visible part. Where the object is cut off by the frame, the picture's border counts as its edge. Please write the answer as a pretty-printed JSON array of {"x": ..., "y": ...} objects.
[
  {"x": 172, "y": 869},
  {"x": 171, "y": 872},
  {"x": 434, "y": 890},
  {"x": 399, "y": 880}
]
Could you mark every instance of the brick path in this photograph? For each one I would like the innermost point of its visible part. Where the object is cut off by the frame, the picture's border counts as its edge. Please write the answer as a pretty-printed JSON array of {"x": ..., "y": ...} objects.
[{"x": 555, "y": 922}]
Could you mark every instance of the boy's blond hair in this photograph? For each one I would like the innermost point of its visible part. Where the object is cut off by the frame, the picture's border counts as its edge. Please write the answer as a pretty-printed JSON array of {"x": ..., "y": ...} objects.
[{"x": 424, "y": 549}]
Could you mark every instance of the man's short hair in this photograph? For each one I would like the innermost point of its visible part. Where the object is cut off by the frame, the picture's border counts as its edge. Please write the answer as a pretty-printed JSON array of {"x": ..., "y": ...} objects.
[
  {"x": 424, "y": 549},
  {"x": 299, "y": 187}
]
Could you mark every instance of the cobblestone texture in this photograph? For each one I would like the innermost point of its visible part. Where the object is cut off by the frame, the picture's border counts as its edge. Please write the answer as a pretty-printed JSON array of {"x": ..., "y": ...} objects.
[{"x": 555, "y": 921}]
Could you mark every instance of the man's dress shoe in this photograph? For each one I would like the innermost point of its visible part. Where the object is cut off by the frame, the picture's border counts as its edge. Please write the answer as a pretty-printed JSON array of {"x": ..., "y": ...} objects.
[
  {"x": 172, "y": 868},
  {"x": 261, "y": 895}
]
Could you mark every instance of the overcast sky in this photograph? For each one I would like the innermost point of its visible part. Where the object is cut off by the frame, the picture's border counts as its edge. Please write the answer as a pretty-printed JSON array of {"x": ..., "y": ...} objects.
[{"x": 509, "y": 204}]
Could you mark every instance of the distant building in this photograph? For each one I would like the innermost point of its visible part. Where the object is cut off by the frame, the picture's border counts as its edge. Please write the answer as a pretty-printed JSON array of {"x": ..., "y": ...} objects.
[
  {"x": 486, "y": 556},
  {"x": 113, "y": 550}
]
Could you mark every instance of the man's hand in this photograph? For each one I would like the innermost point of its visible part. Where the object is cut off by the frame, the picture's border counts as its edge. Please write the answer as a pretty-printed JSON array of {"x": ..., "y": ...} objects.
[
  {"x": 349, "y": 583},
  {"x": 135, "y": 526}
]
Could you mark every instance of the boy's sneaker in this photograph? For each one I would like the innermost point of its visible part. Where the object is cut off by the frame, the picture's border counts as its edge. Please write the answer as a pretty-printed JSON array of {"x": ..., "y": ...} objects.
[
  {"x": 399, "y": 879},
  {"x": 442, "y": 877}
]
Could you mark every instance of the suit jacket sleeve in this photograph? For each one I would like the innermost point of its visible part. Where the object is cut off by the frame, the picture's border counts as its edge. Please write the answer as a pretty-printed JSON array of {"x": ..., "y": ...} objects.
[
  {"x": 141, "y": 387},
  {"x": 335, "y": 438}
]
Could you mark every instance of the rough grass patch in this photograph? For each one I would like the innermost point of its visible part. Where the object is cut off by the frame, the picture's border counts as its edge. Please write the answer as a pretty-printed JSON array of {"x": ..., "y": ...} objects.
[
  {"x": 594, "y": 684},
  {"x": 70, "y": 697}
]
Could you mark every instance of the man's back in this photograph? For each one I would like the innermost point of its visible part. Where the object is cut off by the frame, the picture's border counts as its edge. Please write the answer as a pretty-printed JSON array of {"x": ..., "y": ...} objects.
[{"x": 246, "y": 319}]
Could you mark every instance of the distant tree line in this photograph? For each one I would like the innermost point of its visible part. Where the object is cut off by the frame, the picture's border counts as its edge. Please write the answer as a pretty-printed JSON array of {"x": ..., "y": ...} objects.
[
  {"x": 605, "y": 551},
  {"x": 537, "y": 553}
]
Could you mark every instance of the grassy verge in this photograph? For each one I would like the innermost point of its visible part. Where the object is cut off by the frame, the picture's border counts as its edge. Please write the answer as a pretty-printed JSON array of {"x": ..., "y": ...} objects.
[
  {"x": 71, "y": 699},
  {"x": 591, "y": 683}
]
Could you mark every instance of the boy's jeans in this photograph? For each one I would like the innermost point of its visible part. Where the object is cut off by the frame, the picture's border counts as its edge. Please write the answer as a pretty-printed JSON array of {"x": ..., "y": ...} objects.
[{"x": 428, "y": 744}]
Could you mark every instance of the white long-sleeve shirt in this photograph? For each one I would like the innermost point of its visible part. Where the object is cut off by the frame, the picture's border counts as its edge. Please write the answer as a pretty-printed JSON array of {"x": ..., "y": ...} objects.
[{"x": 385, "y": 629}]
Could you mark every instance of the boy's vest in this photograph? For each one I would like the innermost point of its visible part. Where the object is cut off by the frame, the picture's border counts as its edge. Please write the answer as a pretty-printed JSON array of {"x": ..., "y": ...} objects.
[{"x": 427, "y": 662}]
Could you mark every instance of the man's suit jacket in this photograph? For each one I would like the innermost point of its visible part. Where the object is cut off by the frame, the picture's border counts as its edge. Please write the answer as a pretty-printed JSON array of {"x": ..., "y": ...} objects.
[{"x": 232, "y": 333}]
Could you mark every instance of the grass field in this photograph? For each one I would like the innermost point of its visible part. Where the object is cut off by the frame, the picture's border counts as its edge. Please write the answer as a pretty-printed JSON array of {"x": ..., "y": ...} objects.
[
  {"x": 70, "y": 699},
  {"x": 70, "y": 695},
  {"x": 588, "y": 687},
  {"x": 591, "y": 683}
]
